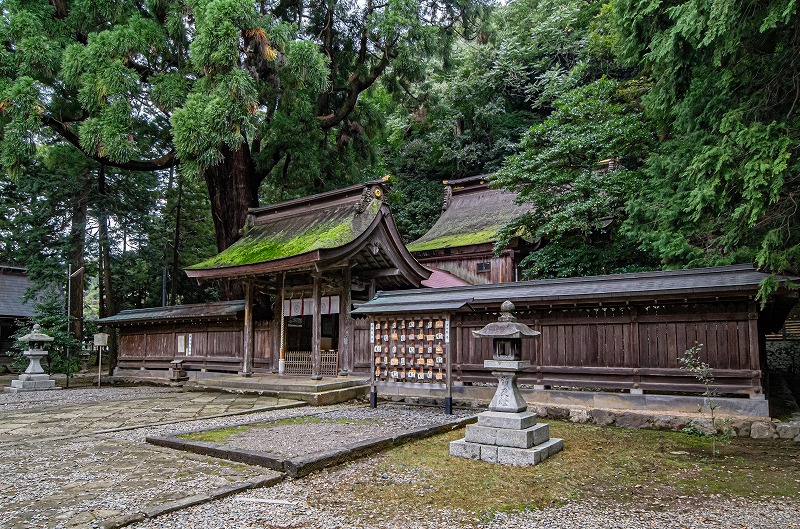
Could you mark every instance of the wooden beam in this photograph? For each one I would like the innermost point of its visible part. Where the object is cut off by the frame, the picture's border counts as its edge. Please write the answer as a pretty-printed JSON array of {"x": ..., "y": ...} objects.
[
  {"x": 278, "y": 339},
  {"x": 385, "y": 272}
]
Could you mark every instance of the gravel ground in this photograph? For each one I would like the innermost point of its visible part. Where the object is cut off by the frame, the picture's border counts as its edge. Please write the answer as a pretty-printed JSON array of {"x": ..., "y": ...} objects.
[
  {"x": 312, "y": 503},
  {"x": 713, "y": 513},
  {"x": 390, "y": 417},
  {"x": 43, "y": 399}
]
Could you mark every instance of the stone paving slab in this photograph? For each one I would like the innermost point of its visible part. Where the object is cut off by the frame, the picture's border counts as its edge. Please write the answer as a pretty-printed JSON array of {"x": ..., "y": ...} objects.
[
  {"x": 45, "y": 423},
  {"x": 58, "y": 471},
  {"x": 72, "y": 483}
]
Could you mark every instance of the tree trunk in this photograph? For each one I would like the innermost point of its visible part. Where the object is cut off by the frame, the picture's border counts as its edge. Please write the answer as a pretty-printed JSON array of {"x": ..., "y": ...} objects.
[
  {"x": 75, "y": 256},
  {"x": 176, "y": 243},
  {"x": 107, "y": 304},
  {"x": 233, "y": 189}
]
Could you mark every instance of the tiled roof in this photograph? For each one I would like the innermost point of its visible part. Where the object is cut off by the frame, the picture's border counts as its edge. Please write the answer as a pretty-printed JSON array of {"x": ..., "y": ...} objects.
[
  {"x": 442, "y": 279},
  {"x": 221, "y": 310},
  {"x": 475, "y": 215},
  {"x": 13, "y": 286},
  {"x": 296, "y": 230},
  {"x": 721, "y": 280}
]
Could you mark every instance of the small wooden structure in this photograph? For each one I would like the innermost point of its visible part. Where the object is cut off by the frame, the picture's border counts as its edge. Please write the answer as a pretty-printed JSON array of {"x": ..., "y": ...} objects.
[
  {"x": 302, "y": 263},
  {"x": 623, "y": 332},
  {"x": 14, "y": 311},
  {"x": 462, "y": 240}
]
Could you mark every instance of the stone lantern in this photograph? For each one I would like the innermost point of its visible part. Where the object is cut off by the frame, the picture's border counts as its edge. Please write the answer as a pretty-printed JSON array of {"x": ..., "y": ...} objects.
[
  {"x": 507, "y": 433},
  {"x": 34, "y": 378}
]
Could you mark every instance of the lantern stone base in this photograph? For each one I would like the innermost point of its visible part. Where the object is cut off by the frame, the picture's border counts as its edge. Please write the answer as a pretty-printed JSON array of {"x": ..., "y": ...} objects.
[
  {"x": 508, "y": 439},
  {"x": 29, "y": 382}
]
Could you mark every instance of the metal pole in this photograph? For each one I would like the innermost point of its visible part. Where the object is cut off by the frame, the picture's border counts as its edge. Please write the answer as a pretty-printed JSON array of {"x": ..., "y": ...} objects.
[
  {"x": 164, "y": 286},
  {"x": 69, "y": 310}
]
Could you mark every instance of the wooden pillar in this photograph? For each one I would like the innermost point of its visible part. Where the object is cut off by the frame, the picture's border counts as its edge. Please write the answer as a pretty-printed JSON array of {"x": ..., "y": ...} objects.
[
  {"x": 371, "y": 288},
  {"x": 316, "y": 331},
  {"x": 278, "y": 349},
  {"x": 248, "y": 331},
  {"x": 345, "y": 325}
]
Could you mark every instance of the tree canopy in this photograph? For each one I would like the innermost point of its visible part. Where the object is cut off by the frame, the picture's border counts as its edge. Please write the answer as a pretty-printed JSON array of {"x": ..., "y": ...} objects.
[
  {"x": 136, "y": 135},
  {"x": 721, "y": 186}
]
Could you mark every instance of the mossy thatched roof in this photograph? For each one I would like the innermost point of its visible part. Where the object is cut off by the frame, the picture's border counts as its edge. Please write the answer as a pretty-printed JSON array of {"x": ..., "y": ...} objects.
[
  {"x": 295, "y": 234},
  {"x": 475, "y": 215}
]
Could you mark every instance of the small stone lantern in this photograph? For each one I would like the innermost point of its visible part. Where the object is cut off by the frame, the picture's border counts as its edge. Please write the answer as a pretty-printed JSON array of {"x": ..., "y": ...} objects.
[
  {"x": 507, "y": 433},
  {"x": 34, "y": 378}
]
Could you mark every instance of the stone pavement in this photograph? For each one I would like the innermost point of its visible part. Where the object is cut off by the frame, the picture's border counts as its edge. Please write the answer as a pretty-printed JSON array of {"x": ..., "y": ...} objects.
[
  {"x": 58, "y": 470},
  {"x": 79, "y": 419}
]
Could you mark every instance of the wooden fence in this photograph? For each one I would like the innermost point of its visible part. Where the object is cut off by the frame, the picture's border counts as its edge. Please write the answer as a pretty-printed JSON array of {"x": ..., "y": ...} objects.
[
  {"x": 625, "y": 347},
  {"x": 615, "y": 347}
]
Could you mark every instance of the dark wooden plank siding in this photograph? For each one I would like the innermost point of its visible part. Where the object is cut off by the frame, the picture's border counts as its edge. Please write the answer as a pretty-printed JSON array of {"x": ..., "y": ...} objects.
[{"x": 624, "y": 347}]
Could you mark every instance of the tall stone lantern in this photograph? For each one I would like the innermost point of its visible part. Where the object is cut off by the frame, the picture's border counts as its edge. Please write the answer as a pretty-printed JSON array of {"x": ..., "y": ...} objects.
[
  {"x": 507, "y": 433},
  {"x": 34, "y": 378}
]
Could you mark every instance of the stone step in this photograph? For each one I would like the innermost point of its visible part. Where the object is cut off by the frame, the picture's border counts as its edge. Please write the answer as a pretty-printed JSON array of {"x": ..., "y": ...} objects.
[
  {"x": 506, "y": 455},
  {"x": 314, "y": 398},
  {"x": 526, "y": 438},
  {"x": 276, "y": 383},
  {"x": 512, "y": 421}
]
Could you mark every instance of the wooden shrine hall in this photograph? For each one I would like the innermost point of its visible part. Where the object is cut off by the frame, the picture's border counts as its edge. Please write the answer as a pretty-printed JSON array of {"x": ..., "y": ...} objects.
[
  {"x": 306, "y": 264},
  {"x": 303, "y": 263},
  {"x": 462, "y": 241}
]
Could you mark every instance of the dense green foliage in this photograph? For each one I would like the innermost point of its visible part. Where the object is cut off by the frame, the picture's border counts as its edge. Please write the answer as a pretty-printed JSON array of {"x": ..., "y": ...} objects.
[
  {"x": 721, "y": 187},
  {"x": 579, "y": 205},
  {"x": 239, "y": 93},
  {"x": 197, "y": 110}
]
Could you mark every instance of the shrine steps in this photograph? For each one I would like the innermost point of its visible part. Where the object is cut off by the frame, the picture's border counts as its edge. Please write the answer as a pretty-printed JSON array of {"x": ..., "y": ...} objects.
[{"x": 323, "y": 392}]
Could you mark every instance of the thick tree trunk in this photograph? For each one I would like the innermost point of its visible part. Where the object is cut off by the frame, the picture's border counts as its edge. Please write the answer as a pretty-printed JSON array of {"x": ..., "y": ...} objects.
[{"x": 233, "y": 189}]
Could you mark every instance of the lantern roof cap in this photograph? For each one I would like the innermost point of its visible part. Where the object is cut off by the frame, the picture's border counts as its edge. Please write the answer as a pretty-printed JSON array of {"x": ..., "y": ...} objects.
[
  {"x": 36, "y": 335},
  {"x": 507, "y": 326}
]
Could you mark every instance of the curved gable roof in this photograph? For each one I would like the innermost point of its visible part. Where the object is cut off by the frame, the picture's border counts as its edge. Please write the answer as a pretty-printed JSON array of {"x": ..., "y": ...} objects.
[
  {"x": 317, "y": 231},
  {"x": 475, "y": 215}
]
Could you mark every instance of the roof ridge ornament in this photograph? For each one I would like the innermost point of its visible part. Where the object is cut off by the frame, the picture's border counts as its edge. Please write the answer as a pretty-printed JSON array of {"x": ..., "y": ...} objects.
[
  {"x": 448, "y": 197},
  {"x": 366, "y": 198},
  {"x": 367, "y": 195}
]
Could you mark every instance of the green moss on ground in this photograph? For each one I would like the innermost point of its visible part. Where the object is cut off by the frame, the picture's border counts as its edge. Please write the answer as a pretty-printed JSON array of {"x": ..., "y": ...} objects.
[{"x": 631, "y": 468}]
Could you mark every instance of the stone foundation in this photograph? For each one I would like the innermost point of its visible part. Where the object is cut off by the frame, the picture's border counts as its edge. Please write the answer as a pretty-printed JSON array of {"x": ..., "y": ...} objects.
[
  {"x": 28, "y": 382},
  {"x": 507, "y": 438}
]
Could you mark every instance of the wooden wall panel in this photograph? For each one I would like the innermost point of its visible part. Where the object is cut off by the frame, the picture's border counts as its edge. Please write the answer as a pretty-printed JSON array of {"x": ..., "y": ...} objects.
[
  {"x": 264, "y": 342},
  {"x": 132, "y": 345},
  {"x": 161, "y": 344},
  {"x": 362, "y": 353},
  {"x": 624, "y": 347}
]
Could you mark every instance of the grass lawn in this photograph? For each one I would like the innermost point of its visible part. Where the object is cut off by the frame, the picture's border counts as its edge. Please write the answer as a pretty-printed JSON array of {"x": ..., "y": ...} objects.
[{"x": 620, "y": 466}]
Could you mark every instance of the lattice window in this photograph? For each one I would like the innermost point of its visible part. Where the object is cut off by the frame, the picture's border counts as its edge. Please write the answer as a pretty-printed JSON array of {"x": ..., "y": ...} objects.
[{"x": 299, "y": 363}]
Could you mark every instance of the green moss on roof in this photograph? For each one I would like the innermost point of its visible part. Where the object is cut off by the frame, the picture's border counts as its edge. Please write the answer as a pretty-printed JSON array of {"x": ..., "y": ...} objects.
[
  {"x": 320, "y": 229},
  {"x": 451, "y": 241},
  {"x": 474, "y": 217}
]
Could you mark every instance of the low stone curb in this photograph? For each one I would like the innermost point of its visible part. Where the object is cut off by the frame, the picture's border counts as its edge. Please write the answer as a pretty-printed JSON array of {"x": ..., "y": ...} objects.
[
  {"x": 764, "y": 428},
  {"x": 189, "y": 501},
  {"x": 303, "y": 465}
]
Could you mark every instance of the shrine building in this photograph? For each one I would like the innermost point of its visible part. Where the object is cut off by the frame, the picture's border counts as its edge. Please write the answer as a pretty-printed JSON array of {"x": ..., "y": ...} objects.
[{"x": 331, "y": 290}]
